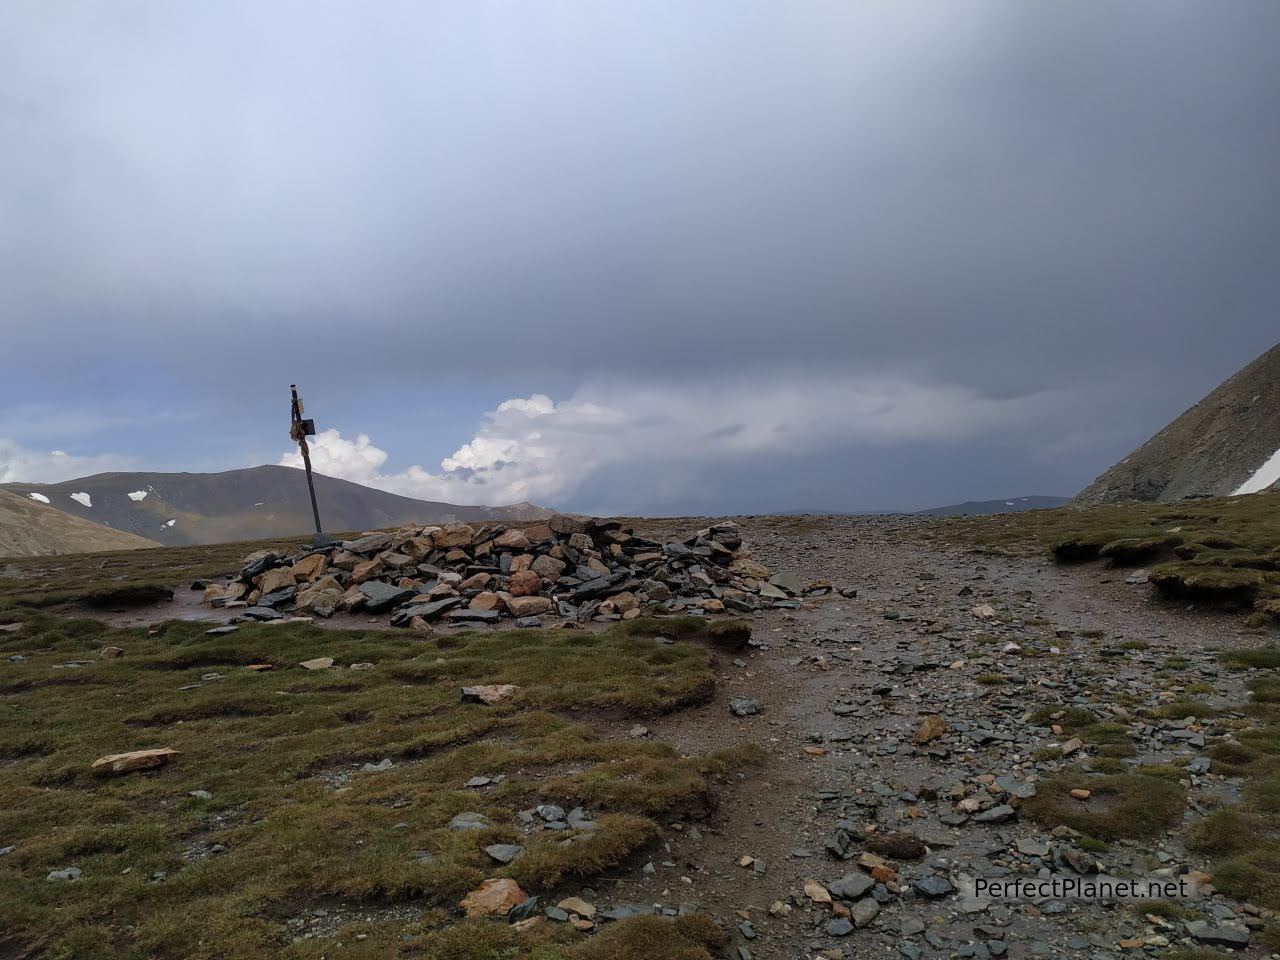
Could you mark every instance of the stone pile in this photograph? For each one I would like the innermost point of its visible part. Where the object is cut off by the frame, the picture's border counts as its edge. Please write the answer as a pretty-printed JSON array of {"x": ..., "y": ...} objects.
[{"x": 573, "y": 568}]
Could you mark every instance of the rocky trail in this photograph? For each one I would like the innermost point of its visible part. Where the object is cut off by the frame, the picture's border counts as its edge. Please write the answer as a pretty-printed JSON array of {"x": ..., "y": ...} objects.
[{"x": 844, "y": 685}]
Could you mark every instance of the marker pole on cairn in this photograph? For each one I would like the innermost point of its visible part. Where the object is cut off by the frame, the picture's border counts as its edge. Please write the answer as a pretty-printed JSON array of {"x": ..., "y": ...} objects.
[{"x": 299, "y": 430}]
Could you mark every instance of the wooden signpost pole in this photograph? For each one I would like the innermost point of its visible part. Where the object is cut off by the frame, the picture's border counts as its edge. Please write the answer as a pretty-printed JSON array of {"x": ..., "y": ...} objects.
[{"x": 299, "y": 430}]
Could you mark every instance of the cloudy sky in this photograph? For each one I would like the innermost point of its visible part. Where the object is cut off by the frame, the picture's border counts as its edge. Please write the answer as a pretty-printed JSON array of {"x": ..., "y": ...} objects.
[{"x": 632, "y": 257}]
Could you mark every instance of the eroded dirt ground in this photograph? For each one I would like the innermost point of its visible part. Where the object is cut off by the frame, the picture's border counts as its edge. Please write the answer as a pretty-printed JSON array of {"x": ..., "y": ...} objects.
[
  {"x": 817, "y": 663},
  {"x": 843, "y": 684}
]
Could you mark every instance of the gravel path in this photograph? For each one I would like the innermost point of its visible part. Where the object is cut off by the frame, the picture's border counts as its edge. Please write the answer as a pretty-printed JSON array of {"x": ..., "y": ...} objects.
[{"x": 845, "y": 683}]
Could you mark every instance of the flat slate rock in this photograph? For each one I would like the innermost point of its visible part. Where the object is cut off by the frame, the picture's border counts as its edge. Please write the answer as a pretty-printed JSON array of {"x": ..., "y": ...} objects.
[
  {"x": 996, "y": 814},
  {"x": 259, "y": 566},
  {"x": 624, "y": 911},
  {"x": 382, "y": 596},
  {"x": 504, "y": 852},
  {"x": 427, "y": 611},
  {"x": 523, "y": 911},
  {"x": 599, "y": 586},
  {"x": 932, "y": 886},
  {"x": 473, "y": 616},
  {"x": 851, "y": 886},
  {"x": 370, "y": 544},
  {"x": 262, "y": 613},
  {"x": 277, "y": 597},
  {"x": 1226, "y": 935}
]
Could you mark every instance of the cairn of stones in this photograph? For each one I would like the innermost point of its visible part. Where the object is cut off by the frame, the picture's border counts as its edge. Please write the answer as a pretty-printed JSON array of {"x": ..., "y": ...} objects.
[{"x": 570, "y": 568}]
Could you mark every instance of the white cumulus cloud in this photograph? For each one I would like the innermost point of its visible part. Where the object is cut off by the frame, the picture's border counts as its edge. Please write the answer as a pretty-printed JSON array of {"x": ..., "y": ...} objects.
[
  {"x": 537, "y": 449},
  {"x": 20, "y": 464},
  {"x": 334, "y": 456}
]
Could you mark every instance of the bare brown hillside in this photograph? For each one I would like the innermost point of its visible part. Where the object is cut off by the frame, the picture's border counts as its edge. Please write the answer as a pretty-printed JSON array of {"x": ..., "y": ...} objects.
[{"x": 29, "y": 528}]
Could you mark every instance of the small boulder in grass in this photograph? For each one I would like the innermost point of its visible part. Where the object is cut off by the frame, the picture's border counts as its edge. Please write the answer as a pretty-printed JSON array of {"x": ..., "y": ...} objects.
[
  {"x": 134, "y": 760},
  {"x": 110, "y": 653},
  {"x": 504, "y": 852},
  {"x": 489, "y": 693},
  {"x": 576, "y": 905},
  {"x": 494, "y": 897}
]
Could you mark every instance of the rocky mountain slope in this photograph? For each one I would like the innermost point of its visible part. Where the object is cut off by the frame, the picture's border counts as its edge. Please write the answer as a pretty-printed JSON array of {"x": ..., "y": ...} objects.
[
  {"x": 1227, "y": 443},
  {"x": 29, "y": 528},
  {"x": 266, "y": 501}
]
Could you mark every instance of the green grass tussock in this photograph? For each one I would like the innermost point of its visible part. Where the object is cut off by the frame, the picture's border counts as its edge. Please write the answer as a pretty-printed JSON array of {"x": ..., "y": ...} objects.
[
  {"x": 1121, "y": 806},
  {"x": 1241, "y": 838},
  {"x": 291, "y": 820},
  {"x": 1222, "y": 551},
  {"x": 121, "y": 577}
]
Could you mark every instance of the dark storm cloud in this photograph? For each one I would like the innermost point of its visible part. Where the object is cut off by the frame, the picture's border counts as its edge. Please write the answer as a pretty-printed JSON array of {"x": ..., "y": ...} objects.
[{"x": 1002, "y": 197}]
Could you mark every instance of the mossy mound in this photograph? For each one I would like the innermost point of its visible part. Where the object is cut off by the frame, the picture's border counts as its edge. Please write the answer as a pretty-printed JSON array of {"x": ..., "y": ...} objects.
[
  {"x": 1132, "y": 551},
  {"x": 1122, "y": 806}
]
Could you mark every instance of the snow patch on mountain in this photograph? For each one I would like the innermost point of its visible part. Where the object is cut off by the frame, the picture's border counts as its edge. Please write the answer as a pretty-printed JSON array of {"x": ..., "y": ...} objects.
[
  {"x": 1266, "y": 475},
  {"x": 83, "y": 499}
]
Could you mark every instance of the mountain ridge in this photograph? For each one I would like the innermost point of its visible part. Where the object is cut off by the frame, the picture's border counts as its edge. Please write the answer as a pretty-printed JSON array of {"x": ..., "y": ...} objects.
[{"x": 252, "y": 503}]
